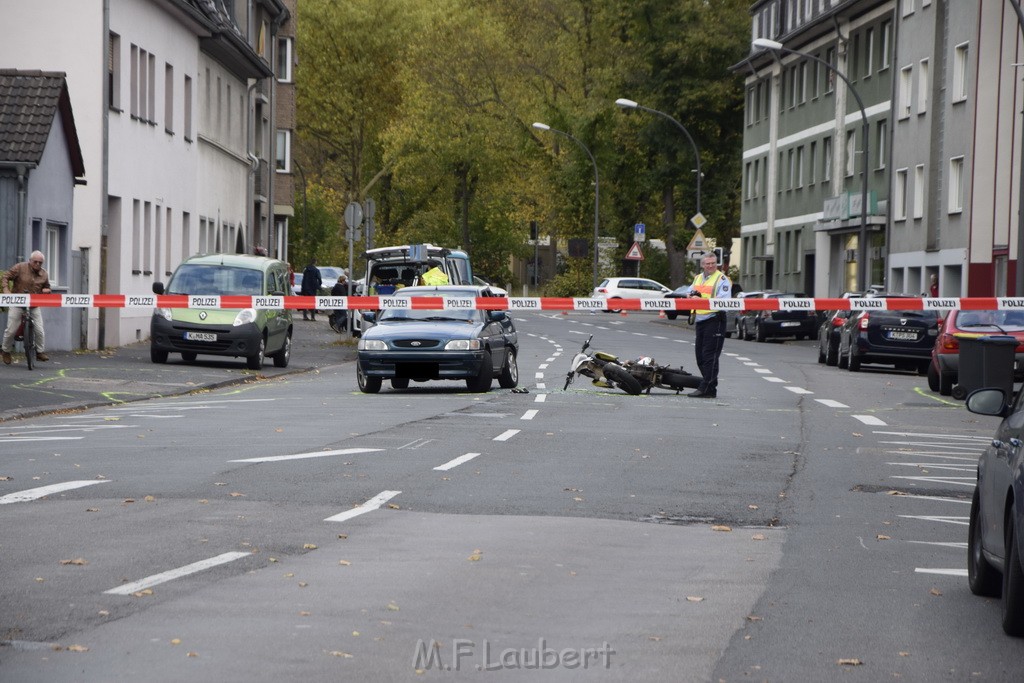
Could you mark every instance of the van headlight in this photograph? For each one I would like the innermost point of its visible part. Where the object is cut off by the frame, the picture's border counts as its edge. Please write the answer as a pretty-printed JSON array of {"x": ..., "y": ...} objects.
[
  {"x": 462, "y": 345},
  {"x": 371, "y": 345},
  {"x": 164, "y": 313},
  {"x": 246, "y": 315}
]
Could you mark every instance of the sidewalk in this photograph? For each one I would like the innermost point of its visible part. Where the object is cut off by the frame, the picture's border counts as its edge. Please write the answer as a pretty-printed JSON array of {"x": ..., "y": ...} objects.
[{"x": 80, "y": 379}]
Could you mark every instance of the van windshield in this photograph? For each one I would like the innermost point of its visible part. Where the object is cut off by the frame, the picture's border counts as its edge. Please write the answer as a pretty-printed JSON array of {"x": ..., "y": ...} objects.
[{"x": 216, "y": 281}]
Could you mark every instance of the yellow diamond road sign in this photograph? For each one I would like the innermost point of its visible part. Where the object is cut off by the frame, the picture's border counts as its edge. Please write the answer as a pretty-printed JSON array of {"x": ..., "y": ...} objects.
[{"x": 698, "y": 220}]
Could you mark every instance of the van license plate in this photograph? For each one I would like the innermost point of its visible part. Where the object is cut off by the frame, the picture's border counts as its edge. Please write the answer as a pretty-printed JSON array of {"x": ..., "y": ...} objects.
[
  {"x": 903, "y": 336},
  {"x": 790, "y": 324},
  {"x": 200, "y": 336}
]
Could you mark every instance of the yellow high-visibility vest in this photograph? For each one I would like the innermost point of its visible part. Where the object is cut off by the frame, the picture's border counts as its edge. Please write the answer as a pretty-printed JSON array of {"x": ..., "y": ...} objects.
[
  {"x": 435, "y": 276},
  {"x": 706, "y": 288}
]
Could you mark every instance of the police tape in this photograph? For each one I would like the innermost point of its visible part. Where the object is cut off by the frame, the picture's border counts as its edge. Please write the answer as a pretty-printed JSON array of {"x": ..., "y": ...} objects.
[{"x": 434, "y": 303}]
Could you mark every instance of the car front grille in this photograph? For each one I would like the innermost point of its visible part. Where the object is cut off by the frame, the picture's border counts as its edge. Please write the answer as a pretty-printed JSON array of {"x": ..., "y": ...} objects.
[{"x": 416, "y": 343}]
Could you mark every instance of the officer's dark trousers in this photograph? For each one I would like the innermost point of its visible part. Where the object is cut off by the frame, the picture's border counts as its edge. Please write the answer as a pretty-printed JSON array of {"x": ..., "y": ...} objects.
[{"x": 709, "y": 342}]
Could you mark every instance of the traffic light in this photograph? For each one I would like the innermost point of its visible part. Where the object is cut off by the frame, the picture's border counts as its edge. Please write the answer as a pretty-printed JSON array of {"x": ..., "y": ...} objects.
[
  {"x": 533, "y": 231},
  {"x": 720, "y": 255}
]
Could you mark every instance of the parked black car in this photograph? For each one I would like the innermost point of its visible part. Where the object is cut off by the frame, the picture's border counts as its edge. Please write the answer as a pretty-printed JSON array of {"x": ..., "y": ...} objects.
[
  {"x": 829, "y": 334},
  {"x": 901, "y": 338},
  {"x": 764, "y": 325},
  {"x": 996, "y": 532}
]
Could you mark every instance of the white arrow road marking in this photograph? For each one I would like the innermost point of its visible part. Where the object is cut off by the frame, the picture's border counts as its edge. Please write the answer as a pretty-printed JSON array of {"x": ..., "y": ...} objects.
[
  {"x": 164, "y": 577},
  {"x": 869, "y": 420},
  {"x": 368, "y": 506},
  {"x": 456, "y": 461},
  {"x": 829, "y": 403},
  {"x": 506, "y": 435},
  {"x": 944, "y": 572},
  {"x": 33, "y": 494},
  {"x": 315, "y": 454}
]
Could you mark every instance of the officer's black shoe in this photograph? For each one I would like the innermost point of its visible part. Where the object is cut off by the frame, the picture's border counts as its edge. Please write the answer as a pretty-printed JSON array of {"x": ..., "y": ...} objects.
[{"x": 702, "y": 394}]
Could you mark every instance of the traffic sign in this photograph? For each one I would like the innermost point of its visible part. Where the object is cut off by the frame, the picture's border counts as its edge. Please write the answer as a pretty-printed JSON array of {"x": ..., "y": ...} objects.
[
  {"x": 353, "y": 214},
  {"x": 698, "y": 220},
  {"x": 634, "y": 253},
  {"x": 698, "y": 242},
  {"x": 639, "y": 232}
]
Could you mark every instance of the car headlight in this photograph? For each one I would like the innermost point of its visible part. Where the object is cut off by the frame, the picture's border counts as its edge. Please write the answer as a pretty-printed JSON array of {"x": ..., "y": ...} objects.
[
  {"x": 462, "y": 345},
  {"x": 246, "y": 315},
  {"x": 371, "y": 345},
  {"x": 164, "y": 313}
]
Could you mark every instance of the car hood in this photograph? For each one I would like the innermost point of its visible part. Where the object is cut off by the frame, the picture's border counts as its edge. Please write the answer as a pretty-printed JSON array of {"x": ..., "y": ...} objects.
[
  {"x": 205, "y": 316},
  {"x": 438, "y": 329}
]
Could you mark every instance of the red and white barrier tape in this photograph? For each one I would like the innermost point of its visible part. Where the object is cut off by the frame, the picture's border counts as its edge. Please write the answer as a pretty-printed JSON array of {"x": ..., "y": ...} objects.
[{"x": 499, "y": 303}]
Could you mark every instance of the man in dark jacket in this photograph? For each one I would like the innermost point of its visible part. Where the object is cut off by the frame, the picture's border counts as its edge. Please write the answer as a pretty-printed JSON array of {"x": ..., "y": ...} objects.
[
  {"x": 311, "y": 282},
  {"x": 339, "y": 317}
]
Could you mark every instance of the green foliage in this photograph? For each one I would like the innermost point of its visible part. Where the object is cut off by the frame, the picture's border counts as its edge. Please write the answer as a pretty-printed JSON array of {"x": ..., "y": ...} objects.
[{"x": 577, "y": 280}]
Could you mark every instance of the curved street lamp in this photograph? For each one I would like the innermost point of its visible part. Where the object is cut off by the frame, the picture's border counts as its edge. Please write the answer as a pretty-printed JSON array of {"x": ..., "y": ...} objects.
[
  {"x": 862, "y": 238},
  {"x": 544, "y": 126},
  {"x": 630, "y": 104}
]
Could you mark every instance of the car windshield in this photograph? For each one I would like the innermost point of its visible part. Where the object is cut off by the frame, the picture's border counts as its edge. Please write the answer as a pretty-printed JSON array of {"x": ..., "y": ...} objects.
[
  {"x": 330, "y": 273},
  {"x": 991, "y": 319},
  {"x": 216, "y": 280}
]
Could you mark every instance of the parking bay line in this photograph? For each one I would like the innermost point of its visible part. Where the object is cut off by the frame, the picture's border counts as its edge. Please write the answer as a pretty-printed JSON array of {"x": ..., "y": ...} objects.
[
  {"x": 315, "y": 454},
  {"x": 455, "y": 462},
  {"x": 369, "y": 506},
  {"x": 164, "y": 577},
  {"x": 944, "y": 572},
  {"x": 506, "y": 435},
  {"x": 33, "y": 494}
]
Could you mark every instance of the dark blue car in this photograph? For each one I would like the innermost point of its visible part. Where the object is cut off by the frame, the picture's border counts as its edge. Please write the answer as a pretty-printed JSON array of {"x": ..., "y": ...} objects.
[{"x": 412, "y": 344}]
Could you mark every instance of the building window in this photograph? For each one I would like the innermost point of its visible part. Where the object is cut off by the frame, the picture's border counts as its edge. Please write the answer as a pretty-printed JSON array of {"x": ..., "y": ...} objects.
[
  {"x": 757, "y": 179},
  {"x": 956, "y": 185},
  {"x": 906, "y": 78},
  {"x": 284, "y": 60},
  {"x": 851, "y": 152},
  {"x": 830, "y": 76},
  {"x": 816, "y": 75},
  {"x": 826, "y": 159},
  {"x": 169, "y": 98},
  {"x": 751, "y": 114},
  {"x": 187, "y": 101},
  {"x": 899, "y": 195},
  {"x": 919, "y": 191},
  {"x": 151, "y": 89},
  {"x": 803, "y": 82},
  {"x": 114, "y": 72},
  {"x": 886, "y": 45},
  {"x": 133, "y": 89},
  {"x": 800, "y": 166},
  {"x": 136, "y": 237},
  {"x": 811, "y": 162},
  {"x": 53, "y": 245},
  {"x": 960, "y": 55},
  {"x": 882, "y": 138},
  {"x": 869, "y": 52},
  {"x": 791, "y": 179},
  {"x": 923, "y": 85},
  {"x": 282, "y": 151},
  {"x": 908, "y": 7},
  {"x": 750, "y": 181},
  {"x": 147, "y": 238}
]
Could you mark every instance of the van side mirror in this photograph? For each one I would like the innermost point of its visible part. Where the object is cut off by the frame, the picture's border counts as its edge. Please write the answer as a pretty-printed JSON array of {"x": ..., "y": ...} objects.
[
  {"x": 158, "y": 288},
  {"x": 496, "y": 315},
  {"x": 370, "y": 316}
]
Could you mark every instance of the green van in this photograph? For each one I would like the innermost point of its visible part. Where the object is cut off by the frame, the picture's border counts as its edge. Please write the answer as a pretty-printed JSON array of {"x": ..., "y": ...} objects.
[{"x": 248, "y": 333}]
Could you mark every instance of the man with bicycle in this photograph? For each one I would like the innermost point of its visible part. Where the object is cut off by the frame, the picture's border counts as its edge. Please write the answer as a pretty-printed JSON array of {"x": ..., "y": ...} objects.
[{"x": 27, "y": 277}]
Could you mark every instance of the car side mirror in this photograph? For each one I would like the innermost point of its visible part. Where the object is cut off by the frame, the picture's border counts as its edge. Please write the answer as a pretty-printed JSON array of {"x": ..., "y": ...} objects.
[
  {"x": 496, "y": 315},
  {"x": 158, "y": 288},
  {"x": 370, "y": 316},
  {"x": 989, "y": 401}
]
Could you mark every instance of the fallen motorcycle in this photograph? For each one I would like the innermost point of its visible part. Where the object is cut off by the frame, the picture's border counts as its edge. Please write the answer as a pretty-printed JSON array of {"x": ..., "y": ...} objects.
[{"x": 632, "y": 376}]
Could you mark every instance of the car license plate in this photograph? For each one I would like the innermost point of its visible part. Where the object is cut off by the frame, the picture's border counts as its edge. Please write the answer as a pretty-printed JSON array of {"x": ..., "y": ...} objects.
[
  {"x": 200, "y": 336},
  {"x": 900, "y": 335},
  {"x": 790, "y": 324}
]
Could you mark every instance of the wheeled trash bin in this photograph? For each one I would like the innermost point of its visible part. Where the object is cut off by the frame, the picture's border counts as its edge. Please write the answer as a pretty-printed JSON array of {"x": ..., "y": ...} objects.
[{"x": 985, "y": 362}]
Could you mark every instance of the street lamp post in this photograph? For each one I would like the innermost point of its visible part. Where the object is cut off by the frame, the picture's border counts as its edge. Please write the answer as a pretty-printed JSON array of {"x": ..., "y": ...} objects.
[
  {"x": 630, "y": 104},
  {"x": 597, "y": 186},
  {"x": 862, "y": 238}
]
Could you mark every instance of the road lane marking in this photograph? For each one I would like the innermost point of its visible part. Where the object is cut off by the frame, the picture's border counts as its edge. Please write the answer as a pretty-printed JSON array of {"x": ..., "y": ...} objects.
[
  {"x": 796, "y": 390},
  {"x": 26, "y": 439},
  {"x": 538, "y": 375},
  {"x": 966, "y": 437},
  {"x": 529, "y": 415},
  {"x": 550, "y": 360},
  {"x": 941, "y": 499},
  {"x": 936, "y": 466},
  {"x": 34, "y": 494},
  {"x": 455, "y": 462},
  {"x": 753, "y": 364},
  {"x": 869, "y": 420},
  {"x": 541, "y": 385},
  {"x": 830, "y": 403},
  {"x": 945, "y": 572},
  {"x": 763, "y": 371},
  {"x": 164, "y": 577},
  {"x": 369, "y": 506},
  {"x": 773, "y": 379},
  {"x": 952, "y": 481},
  {"x": 944, "y": 519},
  {"x": 540, "y": 398},
  {"x": 415, "y": 444},
  {"x": 956, "y": 545},
  {"x": 314, "y": 454},
  {"x": 506, "y": 435}
]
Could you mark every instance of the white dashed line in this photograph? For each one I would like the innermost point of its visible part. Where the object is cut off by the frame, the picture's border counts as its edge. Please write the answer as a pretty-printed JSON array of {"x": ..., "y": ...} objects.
[
  {"x": 541, "y": 385},
  {"x": 314, "y": 454},
  {"x": 869, "y": 420},
  {"x": 164, "y": 577},
  {"x": 945, "y": 572},
  {"x": 543, "y": 366},
  {"x": 796, "y": 390},
  {"x": 368, "y": 506},
  {"x": 506, "y": 435},
  {"x": 830, "y": 403},
  {"x": 33, "y": 494},
  {"x": 540, "y": 398},
  {"x": 529, "y": 415},
  {"x": 539, "y": 375},
  {"x": 456, "y": 461},
  {"x": 763, "y": 371},
  {"x": 752, "y": 364},
  {"x": 943, "y": 519},
  {"x": 773, "y": 379}
]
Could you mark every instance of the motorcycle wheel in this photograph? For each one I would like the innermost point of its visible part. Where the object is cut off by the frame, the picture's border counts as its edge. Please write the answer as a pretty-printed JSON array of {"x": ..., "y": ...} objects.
[
  {"x": 674, "y": 379},
  {"x": 622, "y": 379}
]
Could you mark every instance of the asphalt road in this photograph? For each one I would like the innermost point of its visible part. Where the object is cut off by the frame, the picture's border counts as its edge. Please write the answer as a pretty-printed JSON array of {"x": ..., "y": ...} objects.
[{"x": 808, "y": 524}]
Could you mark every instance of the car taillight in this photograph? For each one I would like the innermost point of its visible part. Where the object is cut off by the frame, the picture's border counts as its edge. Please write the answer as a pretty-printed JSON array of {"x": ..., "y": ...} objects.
[
  {"x": 838, "y": 322},
  {"x": 864, "y": 322},
  {"x": 949, "y": 343},
  {"x": 602, "y": 290}
]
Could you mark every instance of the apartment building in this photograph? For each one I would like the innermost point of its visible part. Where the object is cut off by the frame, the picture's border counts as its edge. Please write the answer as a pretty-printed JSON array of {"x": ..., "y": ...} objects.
[{"x": 174, "y": 109}]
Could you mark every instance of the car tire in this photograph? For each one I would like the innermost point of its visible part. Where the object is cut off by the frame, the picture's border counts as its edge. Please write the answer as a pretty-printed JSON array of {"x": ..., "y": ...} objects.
[
  {"x": 842, "y": 359},
  {"x": 671, "y": 316},
  {"x": 482, "y": 382},
  {"x": 853, "y": 362},
  {"x": 509, "y": 377},
  {"x": 747, "y": 336},
  {"x": 821, "y": 354},
  {"x": 933, "y": 377},
  {"x": 759, "y": 332},
  {"x": 1013, "y": 581},
  {"x": 284, "y": 356},
  {"x": 982, "y": 577},
  {"x": 831, "y": 353},
  {"x": 622, "y": 379},
  {"x": 367, "y": 385},
  {"x": 157, "y": 356},
  {"x": 255, "y": 361},
  {"x": 399, "y": 382}
]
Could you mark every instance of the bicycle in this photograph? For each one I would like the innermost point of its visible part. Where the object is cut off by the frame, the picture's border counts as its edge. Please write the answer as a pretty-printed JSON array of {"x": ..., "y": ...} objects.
[{"x": 26, "y": 334}]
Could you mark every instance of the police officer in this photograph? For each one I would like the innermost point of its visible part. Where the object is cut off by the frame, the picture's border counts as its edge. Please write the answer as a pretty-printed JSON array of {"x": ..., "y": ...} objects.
[{"x": 710, "y": 283}]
